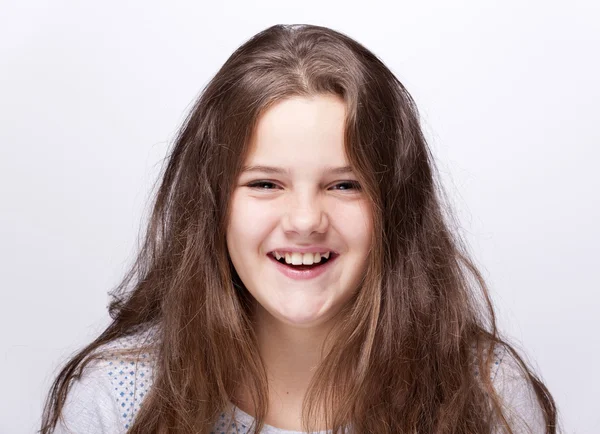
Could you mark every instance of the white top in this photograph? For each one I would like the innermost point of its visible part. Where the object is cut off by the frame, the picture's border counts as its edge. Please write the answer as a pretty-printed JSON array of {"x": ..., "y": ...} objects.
[{"x": 107, "y": 397}]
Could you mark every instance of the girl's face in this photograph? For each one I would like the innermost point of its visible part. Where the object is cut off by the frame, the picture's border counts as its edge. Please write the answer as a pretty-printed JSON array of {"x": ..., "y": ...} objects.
[{"x": 295, "y": 194}]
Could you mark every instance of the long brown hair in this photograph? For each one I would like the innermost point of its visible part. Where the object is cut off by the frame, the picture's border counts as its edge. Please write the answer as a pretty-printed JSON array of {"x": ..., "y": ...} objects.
[{"x": 403, "y": 357}]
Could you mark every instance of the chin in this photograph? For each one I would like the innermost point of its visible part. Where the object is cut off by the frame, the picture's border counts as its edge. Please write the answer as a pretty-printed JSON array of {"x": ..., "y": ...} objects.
[{"x": 303, "y": 315}]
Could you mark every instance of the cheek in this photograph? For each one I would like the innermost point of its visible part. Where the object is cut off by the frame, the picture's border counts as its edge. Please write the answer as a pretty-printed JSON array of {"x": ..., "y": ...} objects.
[
  {"x": 248, "y": 227},
  {"x": 355, "y": 225}
]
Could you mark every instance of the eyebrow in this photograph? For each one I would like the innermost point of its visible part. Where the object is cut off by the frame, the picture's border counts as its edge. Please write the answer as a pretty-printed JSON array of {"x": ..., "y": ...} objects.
[{"x": 280, "y": 171}]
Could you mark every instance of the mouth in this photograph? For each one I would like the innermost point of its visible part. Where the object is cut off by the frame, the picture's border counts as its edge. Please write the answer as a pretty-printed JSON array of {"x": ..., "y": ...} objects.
[{"x": 300, "y": 272}]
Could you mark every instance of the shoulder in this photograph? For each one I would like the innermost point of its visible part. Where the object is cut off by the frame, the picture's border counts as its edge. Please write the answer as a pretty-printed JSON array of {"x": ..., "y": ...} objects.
[
  {"x": 109, "y": 392},
  {"x": 518, "y": 398}
]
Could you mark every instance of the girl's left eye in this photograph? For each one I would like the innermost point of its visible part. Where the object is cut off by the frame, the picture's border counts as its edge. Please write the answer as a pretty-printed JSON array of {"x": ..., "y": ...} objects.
[{"x": 349, "y": 185}]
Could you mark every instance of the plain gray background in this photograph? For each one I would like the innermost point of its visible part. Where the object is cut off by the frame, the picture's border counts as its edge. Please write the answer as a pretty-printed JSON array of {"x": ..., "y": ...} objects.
[{"x": 91, "y": 95}]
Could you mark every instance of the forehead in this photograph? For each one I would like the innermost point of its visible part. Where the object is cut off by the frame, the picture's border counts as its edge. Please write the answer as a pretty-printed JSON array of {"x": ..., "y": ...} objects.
[{"x": 300, "y": 130}]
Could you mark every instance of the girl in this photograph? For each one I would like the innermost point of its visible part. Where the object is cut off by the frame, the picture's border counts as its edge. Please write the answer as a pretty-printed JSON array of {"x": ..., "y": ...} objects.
[{"x": 299, "y": 273}]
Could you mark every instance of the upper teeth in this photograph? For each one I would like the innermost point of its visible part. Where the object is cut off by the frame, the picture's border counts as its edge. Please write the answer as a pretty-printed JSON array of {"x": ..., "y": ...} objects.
[{"x": 297, "y": 258}]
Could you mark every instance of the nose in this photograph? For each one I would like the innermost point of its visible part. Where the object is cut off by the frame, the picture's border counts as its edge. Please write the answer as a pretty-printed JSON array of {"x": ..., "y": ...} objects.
[{"x": 305, "y": 215}]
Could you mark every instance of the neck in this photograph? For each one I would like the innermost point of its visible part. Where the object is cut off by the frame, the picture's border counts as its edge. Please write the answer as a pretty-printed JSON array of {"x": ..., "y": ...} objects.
[{"x": 291, "y": 354}]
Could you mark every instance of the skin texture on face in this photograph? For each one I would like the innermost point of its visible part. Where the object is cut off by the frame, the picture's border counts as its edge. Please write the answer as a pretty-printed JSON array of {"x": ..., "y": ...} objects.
[{"x": 305, "y": 205}]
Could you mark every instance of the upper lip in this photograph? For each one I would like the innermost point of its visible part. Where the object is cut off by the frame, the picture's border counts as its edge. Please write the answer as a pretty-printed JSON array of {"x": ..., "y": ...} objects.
[{"x": 309, "y": 249}]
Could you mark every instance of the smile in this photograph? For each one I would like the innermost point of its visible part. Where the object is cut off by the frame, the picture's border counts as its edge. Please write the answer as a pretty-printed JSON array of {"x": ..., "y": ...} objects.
[{"x": 303, "y": 272}]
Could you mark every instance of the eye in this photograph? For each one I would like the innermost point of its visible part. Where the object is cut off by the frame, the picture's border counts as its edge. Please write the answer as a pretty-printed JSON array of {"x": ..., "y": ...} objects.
[
  {"x": 348, "y": 185},
  {"x": 262, "y": 185}
]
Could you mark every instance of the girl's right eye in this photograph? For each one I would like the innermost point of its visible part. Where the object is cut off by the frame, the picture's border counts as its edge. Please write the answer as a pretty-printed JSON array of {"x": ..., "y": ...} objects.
[{"x": 262, "y": 185}]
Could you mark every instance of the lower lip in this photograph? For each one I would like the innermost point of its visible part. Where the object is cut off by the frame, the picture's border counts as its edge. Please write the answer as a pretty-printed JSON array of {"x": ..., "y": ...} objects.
[{"x": 303, "y": 274}]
